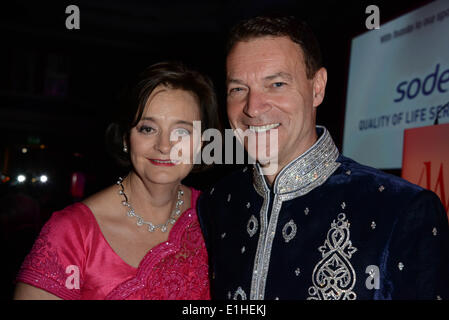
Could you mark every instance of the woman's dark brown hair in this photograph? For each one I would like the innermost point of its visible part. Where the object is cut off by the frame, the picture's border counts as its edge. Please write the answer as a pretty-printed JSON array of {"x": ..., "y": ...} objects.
[{"x": 173, "y": 75}]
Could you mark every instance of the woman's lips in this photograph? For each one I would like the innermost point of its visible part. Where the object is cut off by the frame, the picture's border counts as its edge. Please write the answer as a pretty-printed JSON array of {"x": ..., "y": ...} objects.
[{"x": 160, "y": 162}]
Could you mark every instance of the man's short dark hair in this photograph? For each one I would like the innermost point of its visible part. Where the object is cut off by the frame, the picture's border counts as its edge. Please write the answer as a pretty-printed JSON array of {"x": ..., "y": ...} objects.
[{"x": 280, "y": 26}]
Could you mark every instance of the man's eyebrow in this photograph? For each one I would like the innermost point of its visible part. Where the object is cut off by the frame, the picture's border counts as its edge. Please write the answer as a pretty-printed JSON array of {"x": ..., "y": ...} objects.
[
  {"x": 282, "y": 75},
  {"x": 176, "y": 122},
  {"x": 279, "y": 75},
  {"x": 235, "y": 81}
]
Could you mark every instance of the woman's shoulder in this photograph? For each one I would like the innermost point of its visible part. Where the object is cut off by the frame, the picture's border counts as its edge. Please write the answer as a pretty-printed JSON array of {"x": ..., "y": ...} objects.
[
  {"x": 102, "y": 201},
  {"x": 81, "y": 214},
  {"x": 74, "y": 221},
  {"x": 76, "y": 213}
]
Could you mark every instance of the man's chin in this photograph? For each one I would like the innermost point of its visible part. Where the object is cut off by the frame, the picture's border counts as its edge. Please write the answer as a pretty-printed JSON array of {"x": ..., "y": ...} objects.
[{"x": 269, "y": 166}]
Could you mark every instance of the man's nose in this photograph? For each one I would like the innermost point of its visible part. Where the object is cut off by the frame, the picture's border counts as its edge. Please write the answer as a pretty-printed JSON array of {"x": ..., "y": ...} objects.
[{"x": 256, "y": 104}]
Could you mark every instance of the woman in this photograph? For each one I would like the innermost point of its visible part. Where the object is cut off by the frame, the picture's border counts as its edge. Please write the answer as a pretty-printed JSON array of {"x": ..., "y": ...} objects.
[{"x": 140, "y": 238}]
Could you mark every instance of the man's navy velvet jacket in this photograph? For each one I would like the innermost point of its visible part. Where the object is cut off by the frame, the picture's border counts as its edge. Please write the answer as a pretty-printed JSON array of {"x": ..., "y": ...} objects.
[{"x": 328, "y": 228}]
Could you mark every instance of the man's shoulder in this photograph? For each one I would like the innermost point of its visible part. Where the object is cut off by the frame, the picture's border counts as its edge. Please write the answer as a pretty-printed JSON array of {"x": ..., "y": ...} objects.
[
  {"x": 361, "y": 174},
  {"x": 370, "y": 184},
  {"x": 384, "y": 193}
]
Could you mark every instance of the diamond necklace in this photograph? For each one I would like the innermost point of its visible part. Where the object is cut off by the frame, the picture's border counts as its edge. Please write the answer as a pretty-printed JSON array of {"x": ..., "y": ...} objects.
[{"x": 140, "y": 222}]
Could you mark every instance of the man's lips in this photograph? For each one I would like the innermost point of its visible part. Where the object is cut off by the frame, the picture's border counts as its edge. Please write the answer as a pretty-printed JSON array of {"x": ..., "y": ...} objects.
[
  {"x": 263, "y": 128},
  {"x": 161, "y": 162}
]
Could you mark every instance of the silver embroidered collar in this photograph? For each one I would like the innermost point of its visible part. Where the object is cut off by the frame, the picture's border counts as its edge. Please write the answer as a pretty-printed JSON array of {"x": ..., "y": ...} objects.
[{"x": 305, "y": 173}]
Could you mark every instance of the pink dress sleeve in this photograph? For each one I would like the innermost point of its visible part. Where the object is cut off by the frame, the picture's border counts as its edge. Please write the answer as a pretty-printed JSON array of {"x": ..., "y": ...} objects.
[{"x": 56, "y": 261}]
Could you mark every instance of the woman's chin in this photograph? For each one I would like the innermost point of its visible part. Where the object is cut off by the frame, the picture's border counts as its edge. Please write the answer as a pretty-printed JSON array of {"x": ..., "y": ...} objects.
[{"x": 167, "y": 175}]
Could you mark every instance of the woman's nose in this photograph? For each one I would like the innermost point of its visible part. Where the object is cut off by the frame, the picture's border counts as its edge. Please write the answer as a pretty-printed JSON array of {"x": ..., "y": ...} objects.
[{"x": 163, "y": 143}]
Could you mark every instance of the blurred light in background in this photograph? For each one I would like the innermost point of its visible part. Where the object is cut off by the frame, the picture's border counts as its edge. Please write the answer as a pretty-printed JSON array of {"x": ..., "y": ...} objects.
[
  {"x": 44, "y": 178},
  {"x": 78, "y": 184},
  {"x": 21, "y": 178},
  {"x": 4, "y": 178},
  {"x": 24, "y": 150}
]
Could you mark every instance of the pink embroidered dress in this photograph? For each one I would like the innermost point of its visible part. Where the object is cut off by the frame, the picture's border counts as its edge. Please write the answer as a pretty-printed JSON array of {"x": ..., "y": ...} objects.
[{"x": 71, "y": 247}]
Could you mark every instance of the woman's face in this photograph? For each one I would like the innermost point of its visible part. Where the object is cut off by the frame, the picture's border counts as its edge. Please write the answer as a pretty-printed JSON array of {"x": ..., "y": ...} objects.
[{"x": 164, "y": 141}]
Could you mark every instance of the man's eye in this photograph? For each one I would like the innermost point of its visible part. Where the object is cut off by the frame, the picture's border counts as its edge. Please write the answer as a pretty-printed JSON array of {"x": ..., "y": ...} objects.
[
  {"x": 235, "y": 90},
  {"x": 278, "y": 84},
  {"x": 146, "y": 129}
]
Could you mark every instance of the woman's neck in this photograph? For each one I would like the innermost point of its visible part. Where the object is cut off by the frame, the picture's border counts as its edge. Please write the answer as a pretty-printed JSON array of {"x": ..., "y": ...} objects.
[{"x": 152, "y": 201}]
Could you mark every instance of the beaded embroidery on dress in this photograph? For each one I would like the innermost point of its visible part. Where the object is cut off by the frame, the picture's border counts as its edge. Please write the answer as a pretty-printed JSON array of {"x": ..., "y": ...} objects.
[
  {"x": 43, "y": 257},
  {"x": 176, "y": 270}
]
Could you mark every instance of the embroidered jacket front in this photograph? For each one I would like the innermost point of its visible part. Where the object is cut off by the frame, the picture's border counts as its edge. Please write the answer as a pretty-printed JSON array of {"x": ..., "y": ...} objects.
[{"x": 328, "y": 229}]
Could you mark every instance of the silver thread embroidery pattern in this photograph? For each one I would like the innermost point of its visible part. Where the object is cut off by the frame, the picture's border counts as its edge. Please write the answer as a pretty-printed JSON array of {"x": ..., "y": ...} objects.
[
  {"x": 239, "y": 293},
  {"x": 252, "y": 226},
  {"x": 334, "y": 277},
  {"x": 289, "y": 226}
]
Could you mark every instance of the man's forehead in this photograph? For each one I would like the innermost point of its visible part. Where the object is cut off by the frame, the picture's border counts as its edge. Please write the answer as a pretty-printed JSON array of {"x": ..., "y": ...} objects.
[
  {"x": 264, "y": 56},
  {"x": 264, "y": 70},
  {"x": 265, "y": 45}
]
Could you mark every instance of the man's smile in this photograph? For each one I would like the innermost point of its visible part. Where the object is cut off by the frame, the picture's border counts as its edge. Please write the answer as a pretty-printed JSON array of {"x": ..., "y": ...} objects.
[{"x": 263, "y": 128}]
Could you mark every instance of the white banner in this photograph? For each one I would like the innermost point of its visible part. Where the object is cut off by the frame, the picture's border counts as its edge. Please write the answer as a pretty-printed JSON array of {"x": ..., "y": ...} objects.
[{"x": 398, "y": 79}]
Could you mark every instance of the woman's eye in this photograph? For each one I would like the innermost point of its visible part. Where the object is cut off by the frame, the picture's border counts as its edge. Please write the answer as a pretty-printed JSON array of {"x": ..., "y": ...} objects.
[
  {"x": 182, "y": 132},
  {"x": 146, "y": 129}
]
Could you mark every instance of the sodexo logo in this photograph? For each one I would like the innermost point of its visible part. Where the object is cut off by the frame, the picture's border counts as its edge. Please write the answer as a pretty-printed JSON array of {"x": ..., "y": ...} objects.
[{"x": 413, "y": 88}]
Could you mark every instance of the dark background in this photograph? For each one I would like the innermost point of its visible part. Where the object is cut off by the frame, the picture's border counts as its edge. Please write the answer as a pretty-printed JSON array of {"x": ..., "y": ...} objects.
[{"x": 58, "y": 87}]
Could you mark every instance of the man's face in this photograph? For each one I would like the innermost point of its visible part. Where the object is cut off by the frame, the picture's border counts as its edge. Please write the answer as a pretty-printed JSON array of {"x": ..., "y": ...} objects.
[{"x": 267, "y": 89}]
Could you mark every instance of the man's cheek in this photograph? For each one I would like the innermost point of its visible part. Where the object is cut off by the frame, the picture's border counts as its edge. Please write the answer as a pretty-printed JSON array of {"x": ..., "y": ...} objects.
[{"x": 235, "y": 124}]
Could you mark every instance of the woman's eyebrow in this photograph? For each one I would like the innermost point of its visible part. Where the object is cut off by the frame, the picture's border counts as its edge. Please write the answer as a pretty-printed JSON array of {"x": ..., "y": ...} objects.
[
  {"x": 176, "y": 122},
  {"x": 184, "y": 122}
]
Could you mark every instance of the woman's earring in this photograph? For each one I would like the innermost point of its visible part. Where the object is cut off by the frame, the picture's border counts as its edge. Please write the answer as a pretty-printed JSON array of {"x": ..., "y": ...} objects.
[{"x": 125, "y": 148}]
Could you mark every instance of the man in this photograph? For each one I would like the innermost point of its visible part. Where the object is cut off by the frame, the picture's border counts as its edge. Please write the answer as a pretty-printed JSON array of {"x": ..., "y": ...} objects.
[{"x": 322, "y": 226}]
